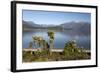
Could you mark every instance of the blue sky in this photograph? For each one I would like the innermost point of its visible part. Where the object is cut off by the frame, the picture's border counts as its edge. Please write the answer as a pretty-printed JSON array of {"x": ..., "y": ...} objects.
[{"x": 54, "y": 18}]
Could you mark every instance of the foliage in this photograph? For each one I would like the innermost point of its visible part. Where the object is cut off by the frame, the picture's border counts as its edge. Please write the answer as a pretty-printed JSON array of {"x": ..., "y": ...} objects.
[
  {"x": 37, "y": 40},
  {"x": 51, "y": 34},
  {"x": 70, "y": 47},
  {"x": 51, "y": 39},
  {"x": 71, "y": 52},
  {"x": 30, "y": 44}
]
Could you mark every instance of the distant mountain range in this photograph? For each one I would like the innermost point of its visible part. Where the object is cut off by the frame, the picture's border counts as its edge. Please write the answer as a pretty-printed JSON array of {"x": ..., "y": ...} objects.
[
  {"x": 29, "y": 24},
  {"x": 32, "y": 25},
  {"x": 77, "y": 26}
]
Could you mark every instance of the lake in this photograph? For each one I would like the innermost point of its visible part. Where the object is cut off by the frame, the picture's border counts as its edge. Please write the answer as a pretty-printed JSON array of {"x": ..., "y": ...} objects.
[{"x": 60, "y": 37}]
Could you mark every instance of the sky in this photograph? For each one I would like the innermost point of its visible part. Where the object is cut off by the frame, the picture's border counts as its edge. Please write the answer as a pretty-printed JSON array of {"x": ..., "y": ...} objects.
[{"x": 54, "y": 18}]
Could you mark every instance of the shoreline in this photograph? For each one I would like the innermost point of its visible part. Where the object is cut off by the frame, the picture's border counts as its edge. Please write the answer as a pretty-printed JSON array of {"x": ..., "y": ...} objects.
[{"x": 55, "y": 50}]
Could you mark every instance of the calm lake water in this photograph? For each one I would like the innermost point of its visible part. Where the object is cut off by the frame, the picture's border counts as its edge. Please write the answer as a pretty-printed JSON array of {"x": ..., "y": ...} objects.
[{"x": 60, "y": 38}]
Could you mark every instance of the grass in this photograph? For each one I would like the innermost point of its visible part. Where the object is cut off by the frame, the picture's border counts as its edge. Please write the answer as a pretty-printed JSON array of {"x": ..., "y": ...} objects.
[{"x": 55, "y": 56}]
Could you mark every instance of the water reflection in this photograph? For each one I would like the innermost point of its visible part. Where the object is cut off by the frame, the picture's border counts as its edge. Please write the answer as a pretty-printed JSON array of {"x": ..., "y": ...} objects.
[{"x": 61, "y": 37}]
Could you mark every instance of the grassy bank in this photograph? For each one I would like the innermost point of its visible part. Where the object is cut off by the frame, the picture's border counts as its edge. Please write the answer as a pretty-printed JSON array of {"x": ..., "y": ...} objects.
[{"x": 46, "y": 55}]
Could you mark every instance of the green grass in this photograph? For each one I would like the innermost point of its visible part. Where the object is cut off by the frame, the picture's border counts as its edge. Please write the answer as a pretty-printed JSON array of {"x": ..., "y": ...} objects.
[{"x": 55, "y": 56}]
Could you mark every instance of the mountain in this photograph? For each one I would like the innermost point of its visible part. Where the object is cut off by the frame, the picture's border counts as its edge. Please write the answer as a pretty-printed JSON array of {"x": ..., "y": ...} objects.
[
  {"x": 80, "y": 27},
  {"x": 86, "y": 28},
  {"x": 29, "y": 25},
  {"x": 74, "y": 25},
  {"x": 26, "y": 24}
]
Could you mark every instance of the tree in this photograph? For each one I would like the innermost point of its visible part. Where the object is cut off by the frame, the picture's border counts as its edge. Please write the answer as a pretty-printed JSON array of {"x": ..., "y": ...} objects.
[
  {"x": 30, "y": 44},
  {"x": 51, "y": 39},
  {"x": 70, "y": 47},
  {"x": 45, "y": 44},
  {"x": 35, "y": 41},
  {"x": 38, "y": 41}
]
